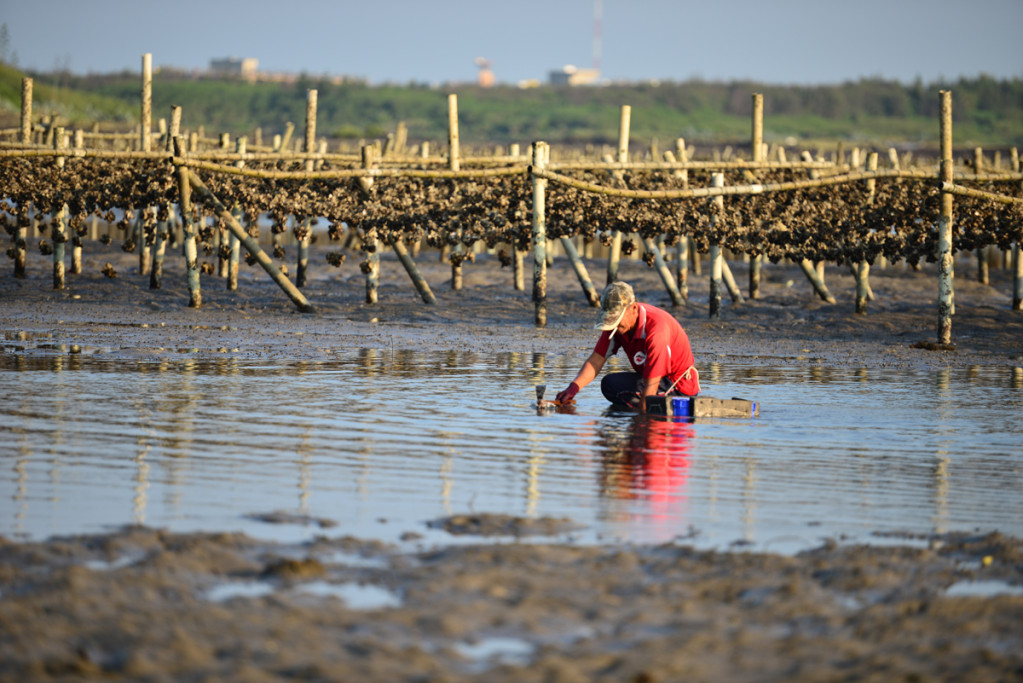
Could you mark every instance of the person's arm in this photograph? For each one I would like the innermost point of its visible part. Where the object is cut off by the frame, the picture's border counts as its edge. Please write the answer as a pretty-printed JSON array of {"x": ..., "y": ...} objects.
[
  {"x": 650, "y": 386},
  {"x": 587, "y": 373}
]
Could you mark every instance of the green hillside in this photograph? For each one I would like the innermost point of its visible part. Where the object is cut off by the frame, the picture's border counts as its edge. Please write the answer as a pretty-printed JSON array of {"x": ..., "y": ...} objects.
[{"x": 73, "y": 106}]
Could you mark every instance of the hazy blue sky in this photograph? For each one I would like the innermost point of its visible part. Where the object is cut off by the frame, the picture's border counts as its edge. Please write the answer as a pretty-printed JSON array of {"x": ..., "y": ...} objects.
[{"x": 774, "y": 41}]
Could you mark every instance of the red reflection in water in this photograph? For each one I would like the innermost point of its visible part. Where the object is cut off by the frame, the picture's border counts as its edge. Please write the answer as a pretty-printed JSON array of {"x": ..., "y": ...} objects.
[{"x": 648, "y": 461}]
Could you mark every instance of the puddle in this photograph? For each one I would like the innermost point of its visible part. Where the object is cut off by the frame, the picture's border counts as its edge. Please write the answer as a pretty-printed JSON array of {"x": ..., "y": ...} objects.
[
  {"x": 985, "y": 588},
  {"x": 353, "y": 594},
  {"x": 239, "y": 589},
  {"x": 488, "y": 652},
  {"x": 382, "y": 442}
]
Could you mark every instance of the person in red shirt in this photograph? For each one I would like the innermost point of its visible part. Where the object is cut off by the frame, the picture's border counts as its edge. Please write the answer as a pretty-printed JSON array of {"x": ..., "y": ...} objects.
[{"x": 655, "y": 344}]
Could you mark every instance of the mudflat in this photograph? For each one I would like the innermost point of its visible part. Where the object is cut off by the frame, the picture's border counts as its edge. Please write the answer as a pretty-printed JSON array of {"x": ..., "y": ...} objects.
[{"x": 144, "y": 604}]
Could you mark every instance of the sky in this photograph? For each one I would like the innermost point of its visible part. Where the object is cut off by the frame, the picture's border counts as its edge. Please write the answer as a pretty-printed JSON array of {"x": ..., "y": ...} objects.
[{"x": 437, "y": 41}]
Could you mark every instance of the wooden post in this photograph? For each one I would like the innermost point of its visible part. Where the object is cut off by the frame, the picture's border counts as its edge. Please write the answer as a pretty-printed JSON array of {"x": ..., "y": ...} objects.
[
  {"x": 188, "y": 228},
  {"x": 26, "y": 111},
  {"x": 145, "y": 133},
  {"x": 422, "y": 286},
  {"x": 580, "y": 271},
  {"x": 662, "y": 270},
  {"x": 1017, "y": 263},
  {"x": 251, "y": 245},
  {"x": 454, "y": 164},
  {"x": 615, "y": 253},
  {"x": 682, "y": 249},
  {"x": 310, "y": 127},
  {"x": 757, "y": 141},
  {"x": 983, "y": 271},
  {"x": 758, "y": 156},
  {"x": 76, "y": 239},
  {"x": 305, "y": 233},
  {"x": 539, "y": 237},
  {"x": 57, "y": 231},
  {"x": 863, "y": 294},
  {"x": 518, "y": 269},
  {"x": 716, "y": 258},
  {"x": 373, "y": 255},
  {"x": 234, "y": 260},
  {"x": 946, "y": 274}
]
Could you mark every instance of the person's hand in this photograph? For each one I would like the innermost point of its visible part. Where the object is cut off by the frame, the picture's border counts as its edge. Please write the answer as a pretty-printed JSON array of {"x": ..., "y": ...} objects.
[{"x": 568, "y": 394}]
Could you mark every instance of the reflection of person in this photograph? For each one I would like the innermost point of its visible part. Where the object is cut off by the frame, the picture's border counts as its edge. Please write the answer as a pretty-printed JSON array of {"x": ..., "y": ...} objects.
[{"x": 656, "y": 345}]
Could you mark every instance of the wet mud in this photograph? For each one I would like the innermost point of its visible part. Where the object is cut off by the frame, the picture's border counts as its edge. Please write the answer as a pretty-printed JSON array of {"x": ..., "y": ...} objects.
[{"x": 144, "y": 604}]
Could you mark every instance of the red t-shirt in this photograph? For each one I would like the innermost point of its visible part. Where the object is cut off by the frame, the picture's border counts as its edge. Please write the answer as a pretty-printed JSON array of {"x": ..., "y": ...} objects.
[{"x": 658, "y": 347}]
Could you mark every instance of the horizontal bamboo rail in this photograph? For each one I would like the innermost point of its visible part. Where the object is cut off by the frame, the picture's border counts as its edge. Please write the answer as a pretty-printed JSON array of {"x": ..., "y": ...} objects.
[{"x": 979, "y": 194}]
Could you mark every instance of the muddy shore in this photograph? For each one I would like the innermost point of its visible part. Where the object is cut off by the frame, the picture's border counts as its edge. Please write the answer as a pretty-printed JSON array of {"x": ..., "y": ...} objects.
[{"x": 143, "y": 604}]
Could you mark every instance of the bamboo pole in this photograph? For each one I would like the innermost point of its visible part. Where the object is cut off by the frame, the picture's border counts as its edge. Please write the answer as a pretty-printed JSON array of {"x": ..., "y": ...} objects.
[
  {"x": 983, "y": 271},
  {"x": 812, "y": 274},
  {"x": 251, "y": 245},
  {"x": 716, "y": 257},
  {"x": 26, "y": 111},
  {"x": 615, "y": 254},
  {"x": 758, "y": 156},
  {"x": 1017, "y": 264},
  {"x": 76, "y": 239},
  {"x": 57, "y": 230},
  {"x": 422, "y": 286},
  {"x": 234, "y": 260},
  {"x": 580, "y": 271},
  {"x": 145, "y": 132},
  {"x": 539, "y": 237},
  {"x": 310, "y": 127},
  {"x": 189, "y": 248},
  {"x": 667, "y": 279},
  {"x": 373, "y": 254},
  {"x": 682, "y": 248},
  {"x": 863, "y": 293},
  {"x": 454, "y": 164},
  {"x": 946, "y": 272}
]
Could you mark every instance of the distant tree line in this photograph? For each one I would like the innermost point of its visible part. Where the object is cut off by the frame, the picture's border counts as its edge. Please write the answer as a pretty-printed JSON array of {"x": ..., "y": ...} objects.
[{"x": 987, "y": 111}]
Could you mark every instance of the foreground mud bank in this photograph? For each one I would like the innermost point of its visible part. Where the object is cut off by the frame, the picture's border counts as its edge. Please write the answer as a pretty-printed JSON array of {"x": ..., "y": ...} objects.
[{"x": 142, "y": 604}]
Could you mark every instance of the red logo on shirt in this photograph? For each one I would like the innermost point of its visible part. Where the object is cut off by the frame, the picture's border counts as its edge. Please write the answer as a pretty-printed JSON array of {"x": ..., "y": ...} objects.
[{"x": 639, "y": 358}]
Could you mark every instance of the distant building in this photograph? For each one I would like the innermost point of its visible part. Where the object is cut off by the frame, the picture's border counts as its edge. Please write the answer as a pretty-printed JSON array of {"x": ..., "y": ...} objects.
[
  {"x": 246, "y": 68},
  {"x": 573, "y": 75}
]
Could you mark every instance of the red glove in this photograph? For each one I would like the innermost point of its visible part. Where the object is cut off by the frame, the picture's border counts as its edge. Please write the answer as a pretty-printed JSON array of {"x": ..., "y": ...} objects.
[{"x": 568, "y": 394}]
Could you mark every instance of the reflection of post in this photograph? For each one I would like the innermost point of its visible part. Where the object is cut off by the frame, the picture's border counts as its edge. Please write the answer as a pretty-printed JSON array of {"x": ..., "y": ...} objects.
[
  {"x": 946, "y": 408},
  {"x": 533, "y": 484},
  {"x": 749, "y": 500}
]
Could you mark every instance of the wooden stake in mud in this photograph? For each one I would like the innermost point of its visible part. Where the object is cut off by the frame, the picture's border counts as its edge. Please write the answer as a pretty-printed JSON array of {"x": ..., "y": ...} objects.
[
  {"x": 539, "y": 237},
  {"x": 716, "y": 258},
  {"x": 1017, "y": 264},
  {"x": 946, "y": 274},
  {"x": 758, "y": 156},
  {"x": 983, "y": 271},
  {"x": 251, "y": 245},
  {"x": 145, "y": 132},
  {"x": 190, "y": 251},
  {"x": 454, "y": 163},
  {"x": 615, "y": 253},
  {"x": 234, "y": 260},
  {"x": 580, "y": 271},
  {"x": 373, "y": 245},
  {"x": 57, "y": 231},
  {"x": 863, "y": 293},
  {"x": 76, "y": 239},
  {"x": 667, "y": 279},
  {"x": 682, "y": 249},
  {"x": 26, "y": 111}
]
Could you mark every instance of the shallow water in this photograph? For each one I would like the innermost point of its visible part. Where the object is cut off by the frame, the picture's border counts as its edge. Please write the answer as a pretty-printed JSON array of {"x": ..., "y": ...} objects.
[{"x": 382, "y": 442}]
